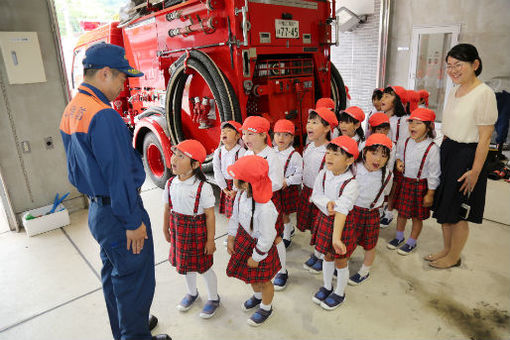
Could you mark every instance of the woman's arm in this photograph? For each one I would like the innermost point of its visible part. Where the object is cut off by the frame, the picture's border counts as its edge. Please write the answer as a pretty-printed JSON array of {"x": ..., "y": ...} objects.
[{"x": 470, "y": 177}]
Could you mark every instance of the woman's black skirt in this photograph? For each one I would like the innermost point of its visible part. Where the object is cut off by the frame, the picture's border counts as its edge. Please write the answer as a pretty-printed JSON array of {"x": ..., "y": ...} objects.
[{"x": 456, "y": 159}]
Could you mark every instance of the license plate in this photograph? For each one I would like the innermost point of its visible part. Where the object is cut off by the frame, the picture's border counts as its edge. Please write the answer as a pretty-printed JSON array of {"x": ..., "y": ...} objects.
[{"x": 287, "y": 29}]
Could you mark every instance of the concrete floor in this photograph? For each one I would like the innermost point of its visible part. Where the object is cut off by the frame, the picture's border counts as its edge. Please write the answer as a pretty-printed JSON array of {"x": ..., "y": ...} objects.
[{"x": 50, "y": 288}]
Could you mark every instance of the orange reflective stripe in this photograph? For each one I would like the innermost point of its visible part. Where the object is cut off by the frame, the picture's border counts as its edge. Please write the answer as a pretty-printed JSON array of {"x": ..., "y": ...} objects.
[{"x": 79, "y": 112}]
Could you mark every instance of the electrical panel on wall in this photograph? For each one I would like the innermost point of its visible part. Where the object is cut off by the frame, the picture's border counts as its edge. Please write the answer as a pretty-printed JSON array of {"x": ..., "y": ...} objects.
[{"x": 22, "y": 57}]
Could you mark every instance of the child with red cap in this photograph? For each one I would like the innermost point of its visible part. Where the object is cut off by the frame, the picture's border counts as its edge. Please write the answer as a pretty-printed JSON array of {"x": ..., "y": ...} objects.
[
  {"x": 321, "y": 122},
  {"x": 376, "y": 103},
  {"x": 251, "y": 235},
  {"x": 418, "y": 160},
  {"x": 374, "y": 182},
  {"x": 350, "y": 123},
  {"x": 413, "y": 98},
  {"x": 334, "y": 193},
  {"x": 257, "y": 140},
  {"x": 226, "y": 154},
  {"x": 189, "y": 224},
  {"x": 326, "y": 102},
  {"x": 394, "y": 103},
  {"x": 292, "y": 161}
]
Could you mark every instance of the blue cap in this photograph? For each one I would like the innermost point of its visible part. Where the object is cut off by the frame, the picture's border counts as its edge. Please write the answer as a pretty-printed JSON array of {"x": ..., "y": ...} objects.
[{"x": 102, "y": 54}]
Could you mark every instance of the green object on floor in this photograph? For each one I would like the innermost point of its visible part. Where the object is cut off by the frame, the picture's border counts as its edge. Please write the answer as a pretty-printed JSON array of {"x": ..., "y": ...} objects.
[{"x": 29, "y": 217}]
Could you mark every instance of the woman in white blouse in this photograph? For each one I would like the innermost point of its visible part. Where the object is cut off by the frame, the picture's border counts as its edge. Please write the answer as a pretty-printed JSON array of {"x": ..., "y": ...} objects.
[{"x": 468, "y": 122}]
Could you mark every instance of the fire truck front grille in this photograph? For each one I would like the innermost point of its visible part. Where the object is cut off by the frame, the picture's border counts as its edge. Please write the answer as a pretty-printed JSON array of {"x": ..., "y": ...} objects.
[{"x": 283, "y": 68}]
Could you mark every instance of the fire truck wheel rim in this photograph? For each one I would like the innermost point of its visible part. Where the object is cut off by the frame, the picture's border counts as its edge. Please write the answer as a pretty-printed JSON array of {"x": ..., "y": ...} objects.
[{"x": 155, "y": 160}]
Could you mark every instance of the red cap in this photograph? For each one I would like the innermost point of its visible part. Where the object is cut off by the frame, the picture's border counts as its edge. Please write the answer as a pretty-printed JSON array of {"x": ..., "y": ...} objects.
[
  {"x": 356, "y": 113},
  {"x": 424, "y": 94},
  {"x": 254, "y": 170},
  {"x": 235, "y": 125},
  {"x": 348, "y": 144},
  {"x": 193, "y": 149},
  {"x": 326, "y": 102},
  {"x": 257, "y": 124},
  {"x": 328, "y": 115},
  {"x": 284, "y": 125},
  {"x": 423, "y": 114},
  {"x": 379, "y": 139},
  {"x": 401, "y": 93},
  {"x": 377, "y": 119},
  {"x": 414, "y": 98}
]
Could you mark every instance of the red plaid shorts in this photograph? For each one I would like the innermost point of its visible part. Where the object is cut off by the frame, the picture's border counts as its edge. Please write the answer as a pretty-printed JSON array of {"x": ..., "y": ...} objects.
[
  {"x": 188, "y": 236},
  {"x": 226, "y": 203},
  {"x": 410, "y": 204},
  {"x": 307, "y": 212},
  {"x": 367, "y": 223},
  {"x": 290, "y": 197},
  {"x": 277, "y": 200},
  {"x": 243, "y": 248},
  {"x": 324, "y": 235}
]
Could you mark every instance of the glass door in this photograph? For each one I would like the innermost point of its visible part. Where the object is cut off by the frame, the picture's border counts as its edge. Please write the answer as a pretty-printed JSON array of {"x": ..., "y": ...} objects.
[{"x": 429, "y": 47}]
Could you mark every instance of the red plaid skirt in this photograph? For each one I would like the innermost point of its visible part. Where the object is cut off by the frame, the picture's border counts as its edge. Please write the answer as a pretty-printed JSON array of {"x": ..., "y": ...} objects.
[
  {"x": 398, "y": 177},
  {"x": 243, "y": 248},
  {"x": 227, "y": 203},
  {"x": 410, "y": 204},
  {"x": 277, "y": 200},
  {"x": 188, "y": 236},
  {"x": 307, "y": 211},
  {"x": 290, "y": 197},
  {"x": 367, "y": 223},
  {"x": 324, "y": 235}
]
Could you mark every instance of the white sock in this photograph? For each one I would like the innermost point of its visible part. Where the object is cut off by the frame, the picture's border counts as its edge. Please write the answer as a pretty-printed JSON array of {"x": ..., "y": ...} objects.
[
  {"x": 282, "y": 254},
  {"x": 328, "y": 269},
  {"x": 364, "y": 270},
  {"x": 341, "y": 280},
  {"x": 258, "y": 295},
  {"x": 191, "y": 283},
  {"x": 287, "y": 229},
  {"x": 265, "y": 307},
  {"x": 318, "y": 255},
  {"x": 212, "y": 284}
]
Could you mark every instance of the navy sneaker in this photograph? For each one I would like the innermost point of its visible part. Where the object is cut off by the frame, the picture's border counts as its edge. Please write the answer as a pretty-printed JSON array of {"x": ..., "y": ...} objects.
[
  {"x": 280, "y": 281},
  {"x": 332, "y": 302},
  {"x": 310, "y": 262},
  {"x": 259, "y": 317},
  {"x": 187, "y": 302},
  {"x": 210, "y": 308},
  {"x": 287, "y": 243},
  {"x": 357, "y": 279},
  {"x": 406, "y": 249},
  {"x": 321, "y": 295},
  {"x": 316, "y": 268},
  {"x": 386, "y": 220},
  {"x": 394, "y": 244},
  {"x": 251, "y": 303}
]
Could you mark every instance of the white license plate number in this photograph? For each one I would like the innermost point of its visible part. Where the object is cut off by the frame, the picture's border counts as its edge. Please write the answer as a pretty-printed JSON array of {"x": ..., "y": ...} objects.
[{"x": 286, "y": 29}]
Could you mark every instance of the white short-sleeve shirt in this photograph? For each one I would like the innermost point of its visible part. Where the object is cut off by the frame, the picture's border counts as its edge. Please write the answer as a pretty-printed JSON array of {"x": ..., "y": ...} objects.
[{"x": 184, "y": 194}]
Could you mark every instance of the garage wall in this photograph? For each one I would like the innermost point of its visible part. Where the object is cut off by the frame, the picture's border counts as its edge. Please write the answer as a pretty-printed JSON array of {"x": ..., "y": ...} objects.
[
  {"x": 31, "y": 112},
  {"x": 484, "y": 24},
  {"x": 356, "y": 59}
]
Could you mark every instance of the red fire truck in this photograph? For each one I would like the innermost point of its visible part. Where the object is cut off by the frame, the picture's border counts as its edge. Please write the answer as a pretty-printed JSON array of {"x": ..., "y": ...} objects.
[{"x": 208, "y": 61}]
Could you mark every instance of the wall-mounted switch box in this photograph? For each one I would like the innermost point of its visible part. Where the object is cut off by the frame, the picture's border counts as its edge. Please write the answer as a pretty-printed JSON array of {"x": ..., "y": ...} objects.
[{"x": 22, "y": 57}]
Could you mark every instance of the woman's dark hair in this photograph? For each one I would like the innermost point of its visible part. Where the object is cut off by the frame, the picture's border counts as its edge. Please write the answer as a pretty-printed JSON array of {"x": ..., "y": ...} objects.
[
  {"x": 398, "y": 107},
  {"x": 336, "y": 148},
  {"x": 380, "y": 126},
  {"x": 198, "y": 173},
  {"x": 345, "y": 117},
  {"x": 466, "y": 52},
  {"x": 313, "y": 115},
  {"x": 249, "y": 193},
  {"x": 374, "y": 148},
  {"x": 377, "y": 94}
]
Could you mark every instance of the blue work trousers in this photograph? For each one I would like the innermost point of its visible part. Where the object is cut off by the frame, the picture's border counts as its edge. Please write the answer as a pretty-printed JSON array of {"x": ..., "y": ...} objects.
[{"x": 128, "y": 280}]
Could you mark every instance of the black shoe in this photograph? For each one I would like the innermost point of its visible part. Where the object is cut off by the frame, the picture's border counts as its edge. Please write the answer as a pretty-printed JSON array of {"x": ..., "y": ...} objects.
[
  {"x": 153, "y": 322},
  {"x": 286, "y": 243},
  {"x": 161, "y": 337}
]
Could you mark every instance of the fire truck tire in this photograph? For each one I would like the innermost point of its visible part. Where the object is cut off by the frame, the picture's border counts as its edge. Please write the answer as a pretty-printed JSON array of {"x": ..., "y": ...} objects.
[
  {"x": 338, "y": 89},
  {"x": 154, "y": 161}
]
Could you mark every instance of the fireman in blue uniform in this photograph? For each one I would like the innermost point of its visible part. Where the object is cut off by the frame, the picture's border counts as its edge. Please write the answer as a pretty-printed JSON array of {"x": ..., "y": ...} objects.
[{"x": 103, "y": 165}]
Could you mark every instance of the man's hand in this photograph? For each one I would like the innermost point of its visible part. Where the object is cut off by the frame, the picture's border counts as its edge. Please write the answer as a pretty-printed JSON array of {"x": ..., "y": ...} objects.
[
  {"x": 136, "y": 238},
  {"x": 210, "y": 247},
  {"x": 230, "y": 244},
  {"x": 251, "y": 263}
]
